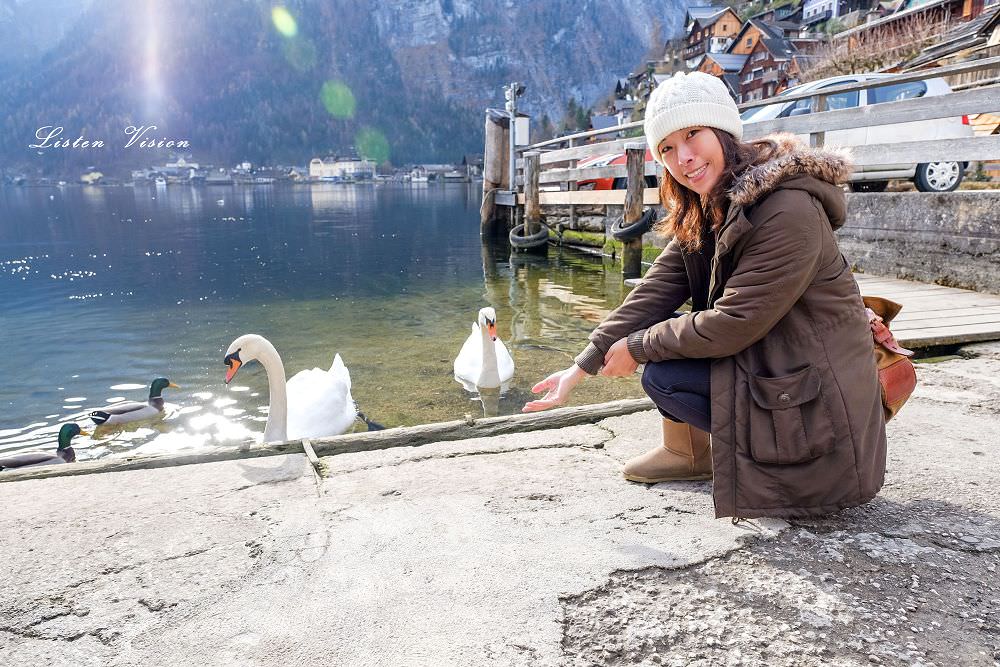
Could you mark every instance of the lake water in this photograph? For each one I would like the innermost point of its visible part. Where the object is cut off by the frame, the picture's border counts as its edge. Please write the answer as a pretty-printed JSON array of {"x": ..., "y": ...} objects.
[{"x": 105, "y": 289}]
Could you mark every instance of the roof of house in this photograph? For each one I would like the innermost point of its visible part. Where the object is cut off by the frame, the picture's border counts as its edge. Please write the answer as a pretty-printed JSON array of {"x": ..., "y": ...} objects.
[
  {"x": 694, "y": 13},
  {"x": 600, "y": 121},
  {"x": 773, "y": 30},
  {"x": 796, "y": 4},
  {"x": 964, "y": 36},
  {"x": 727, "y": 61},
  {"x": 732, "y": 82},
  {"x": 709, "y": 21},
  {"x": 780, "y": 49}
]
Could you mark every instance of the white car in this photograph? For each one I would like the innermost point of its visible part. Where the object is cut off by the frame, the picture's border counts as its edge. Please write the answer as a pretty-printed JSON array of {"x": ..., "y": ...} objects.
[{"x": 927, "y": 176}]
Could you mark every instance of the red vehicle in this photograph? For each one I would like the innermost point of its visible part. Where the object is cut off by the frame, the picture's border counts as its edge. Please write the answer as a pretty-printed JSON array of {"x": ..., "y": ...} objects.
[{"x": 611, "y": 160}]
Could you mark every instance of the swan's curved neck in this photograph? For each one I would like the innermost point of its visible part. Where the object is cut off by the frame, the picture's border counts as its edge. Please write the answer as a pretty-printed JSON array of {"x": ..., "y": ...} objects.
[
  {"x": 489, "y": 375},
  {"x": 276, "y": 429}
]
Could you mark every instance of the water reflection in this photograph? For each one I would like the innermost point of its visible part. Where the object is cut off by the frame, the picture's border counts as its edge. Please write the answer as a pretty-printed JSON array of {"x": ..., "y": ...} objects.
[{"x": 103, "y": 293}]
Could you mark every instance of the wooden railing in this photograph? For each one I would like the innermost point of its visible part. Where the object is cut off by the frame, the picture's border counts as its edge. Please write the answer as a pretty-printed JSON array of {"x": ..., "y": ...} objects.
[{"x": 558, "y": 158}]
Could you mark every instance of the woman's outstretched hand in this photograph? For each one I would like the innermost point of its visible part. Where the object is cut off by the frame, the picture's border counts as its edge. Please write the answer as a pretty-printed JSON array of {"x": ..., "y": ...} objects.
[
  {"x": 618, "y": 362},
  {"x": 557, "y": 388}
]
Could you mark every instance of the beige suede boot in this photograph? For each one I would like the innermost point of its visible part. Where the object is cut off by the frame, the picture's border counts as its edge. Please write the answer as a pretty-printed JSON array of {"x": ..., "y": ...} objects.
[{"x": 686, "y": 454}]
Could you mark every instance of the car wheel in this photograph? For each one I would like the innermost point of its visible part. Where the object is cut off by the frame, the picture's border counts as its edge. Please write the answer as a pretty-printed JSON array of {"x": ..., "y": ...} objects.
[
  {"x": 618, "y": 184},
  {"x": 869, "y": 186},
  {"x": 938, "y": 176}
]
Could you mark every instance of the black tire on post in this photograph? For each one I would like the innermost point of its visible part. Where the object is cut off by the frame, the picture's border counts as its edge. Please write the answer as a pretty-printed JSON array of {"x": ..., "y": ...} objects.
[
  {"x": 520, "y": 242},
  {"x": 619, "y": 232},
  {"x": 939, "y": 176}
]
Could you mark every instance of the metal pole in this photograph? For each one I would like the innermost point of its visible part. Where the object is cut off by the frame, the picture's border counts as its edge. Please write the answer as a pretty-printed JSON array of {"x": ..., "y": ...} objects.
[{"x": 512, "y": 113}]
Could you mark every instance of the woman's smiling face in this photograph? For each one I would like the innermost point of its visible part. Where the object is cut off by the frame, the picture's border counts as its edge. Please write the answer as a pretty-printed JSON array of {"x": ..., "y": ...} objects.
[{"x": 693, "y": 156}]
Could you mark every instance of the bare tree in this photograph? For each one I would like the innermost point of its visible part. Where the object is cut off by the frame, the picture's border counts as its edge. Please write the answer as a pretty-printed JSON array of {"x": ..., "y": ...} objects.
[{"x": 876, "y": 49}]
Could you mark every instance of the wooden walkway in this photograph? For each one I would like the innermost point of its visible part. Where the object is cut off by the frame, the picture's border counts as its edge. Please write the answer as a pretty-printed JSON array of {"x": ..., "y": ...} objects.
[{"x": 934, "y": 314}]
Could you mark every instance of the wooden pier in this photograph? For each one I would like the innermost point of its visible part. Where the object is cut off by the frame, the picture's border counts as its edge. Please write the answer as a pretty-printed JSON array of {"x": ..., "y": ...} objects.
[
  {"x": 935, "y": 315},
  {"x": 546, "y": 174}
]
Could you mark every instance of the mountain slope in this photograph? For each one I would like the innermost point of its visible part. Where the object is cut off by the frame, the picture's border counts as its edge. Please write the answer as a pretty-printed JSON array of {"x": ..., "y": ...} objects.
[{"x": 403, "y": 80}]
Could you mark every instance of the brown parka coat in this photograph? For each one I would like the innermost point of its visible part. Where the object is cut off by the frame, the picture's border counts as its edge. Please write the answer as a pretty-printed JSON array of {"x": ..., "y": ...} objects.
[{"x": 797, "y": 422}]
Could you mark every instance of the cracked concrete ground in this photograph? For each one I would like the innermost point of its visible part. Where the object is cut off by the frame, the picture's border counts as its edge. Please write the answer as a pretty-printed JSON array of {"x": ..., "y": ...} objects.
[{"x": 521, "y": 550}]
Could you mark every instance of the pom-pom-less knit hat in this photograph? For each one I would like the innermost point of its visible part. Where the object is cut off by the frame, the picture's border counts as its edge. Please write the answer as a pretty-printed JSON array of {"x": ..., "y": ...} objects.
[{"x": 686, "y": 100}]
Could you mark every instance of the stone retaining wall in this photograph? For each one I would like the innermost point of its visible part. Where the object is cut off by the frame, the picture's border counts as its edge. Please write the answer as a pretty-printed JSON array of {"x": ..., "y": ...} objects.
[{"x": 950, "y": 239}]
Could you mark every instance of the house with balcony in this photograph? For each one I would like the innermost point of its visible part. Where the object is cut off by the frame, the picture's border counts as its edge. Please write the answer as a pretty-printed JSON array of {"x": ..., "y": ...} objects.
[
  {"x": 710, "y": 34},
  {"x": 781, "y": 11},
  {"x": 727, "y": 67},
  {"x": 341, "y": 169},
  {"x": 755, "y": 29},
  {"x": 770, "y": 68}
]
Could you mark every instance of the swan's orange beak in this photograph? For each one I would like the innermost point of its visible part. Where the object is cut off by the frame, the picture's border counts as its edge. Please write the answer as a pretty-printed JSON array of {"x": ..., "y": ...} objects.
[
  {"x": 234, "y": 363},
  {"x": 491, "y": 329}
]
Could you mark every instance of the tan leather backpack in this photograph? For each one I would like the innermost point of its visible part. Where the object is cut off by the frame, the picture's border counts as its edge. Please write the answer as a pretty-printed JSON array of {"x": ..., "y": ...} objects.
[{"x": 896, "y": 374}]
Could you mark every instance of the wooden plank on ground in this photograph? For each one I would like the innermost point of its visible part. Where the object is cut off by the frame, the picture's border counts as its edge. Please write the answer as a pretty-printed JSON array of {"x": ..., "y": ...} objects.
[
  {"x": 935, "y": 314},
  {"x": 945, "y": 321},
  {"x": 403, "y": 436},
  {"x": 972, "y": 333},
  {"x": 932, "y": 303},
  {"x": 923, "y": 315}
]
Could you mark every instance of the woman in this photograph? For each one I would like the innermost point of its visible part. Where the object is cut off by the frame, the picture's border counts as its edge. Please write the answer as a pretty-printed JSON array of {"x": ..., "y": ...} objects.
[{"x": 775, "y": 358}]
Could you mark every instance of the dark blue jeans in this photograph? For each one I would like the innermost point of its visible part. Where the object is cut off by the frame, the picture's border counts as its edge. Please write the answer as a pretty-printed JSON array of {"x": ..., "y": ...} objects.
[{"x": 680, "y": 389}]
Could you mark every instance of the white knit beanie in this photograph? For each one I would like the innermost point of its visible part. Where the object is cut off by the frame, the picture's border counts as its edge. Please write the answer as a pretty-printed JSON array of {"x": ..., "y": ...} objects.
[{"x": 687, "y": 100}]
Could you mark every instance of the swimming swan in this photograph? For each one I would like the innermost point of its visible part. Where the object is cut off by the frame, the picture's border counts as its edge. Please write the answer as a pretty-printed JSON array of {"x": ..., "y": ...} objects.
[
  {"x": 313, "y": 404},
  {"x": 484, "y": 360}
]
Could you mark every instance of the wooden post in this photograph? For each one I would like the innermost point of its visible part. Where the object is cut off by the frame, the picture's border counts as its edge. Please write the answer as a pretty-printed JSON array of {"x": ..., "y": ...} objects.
[
  {"x": 817, "y": 139},
  {"x": 635, "y": 167},
  {"x": 532, "y": 207},
  {"x": 494, "y": 167},
  {"x": 570, "y": 188}
]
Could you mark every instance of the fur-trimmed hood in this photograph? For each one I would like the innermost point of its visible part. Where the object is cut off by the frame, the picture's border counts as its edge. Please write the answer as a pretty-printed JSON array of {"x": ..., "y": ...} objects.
[{"x": 821, "y": 172}]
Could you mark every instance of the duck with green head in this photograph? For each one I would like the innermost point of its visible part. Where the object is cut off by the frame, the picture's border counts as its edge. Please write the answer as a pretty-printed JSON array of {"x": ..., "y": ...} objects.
[
  {"x": 64, "y": 452},
  {"x": 133, "y": 411}
]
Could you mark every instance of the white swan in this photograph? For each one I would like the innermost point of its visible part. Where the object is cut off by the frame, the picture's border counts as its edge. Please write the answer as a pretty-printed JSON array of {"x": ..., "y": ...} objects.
[
  {"x": 313, "y": 404},
  {"x": 484, "y": 360}
]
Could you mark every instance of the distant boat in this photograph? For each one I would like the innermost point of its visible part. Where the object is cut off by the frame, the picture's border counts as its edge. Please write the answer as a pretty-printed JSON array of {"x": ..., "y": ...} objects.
[
  {"x": 161, "y": 182},
  {"x": 456, "y": 176}
]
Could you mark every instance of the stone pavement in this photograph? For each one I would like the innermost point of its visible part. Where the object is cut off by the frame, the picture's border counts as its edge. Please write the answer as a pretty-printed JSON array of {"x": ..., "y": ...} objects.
[{"x": 520, "y": 550}]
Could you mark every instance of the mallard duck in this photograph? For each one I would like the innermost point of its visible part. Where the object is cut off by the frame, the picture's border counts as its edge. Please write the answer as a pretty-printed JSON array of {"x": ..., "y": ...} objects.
[
  {"x": 64, "y": 452},
  {"x": 133, "y": 411},
  {"x": 484, "y": 360},
  {"x": 312, "y": 404}
]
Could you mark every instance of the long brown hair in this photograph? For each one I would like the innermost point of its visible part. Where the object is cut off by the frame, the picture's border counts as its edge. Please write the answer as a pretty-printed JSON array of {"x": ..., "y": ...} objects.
[{"x": 687, "y": 211}]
